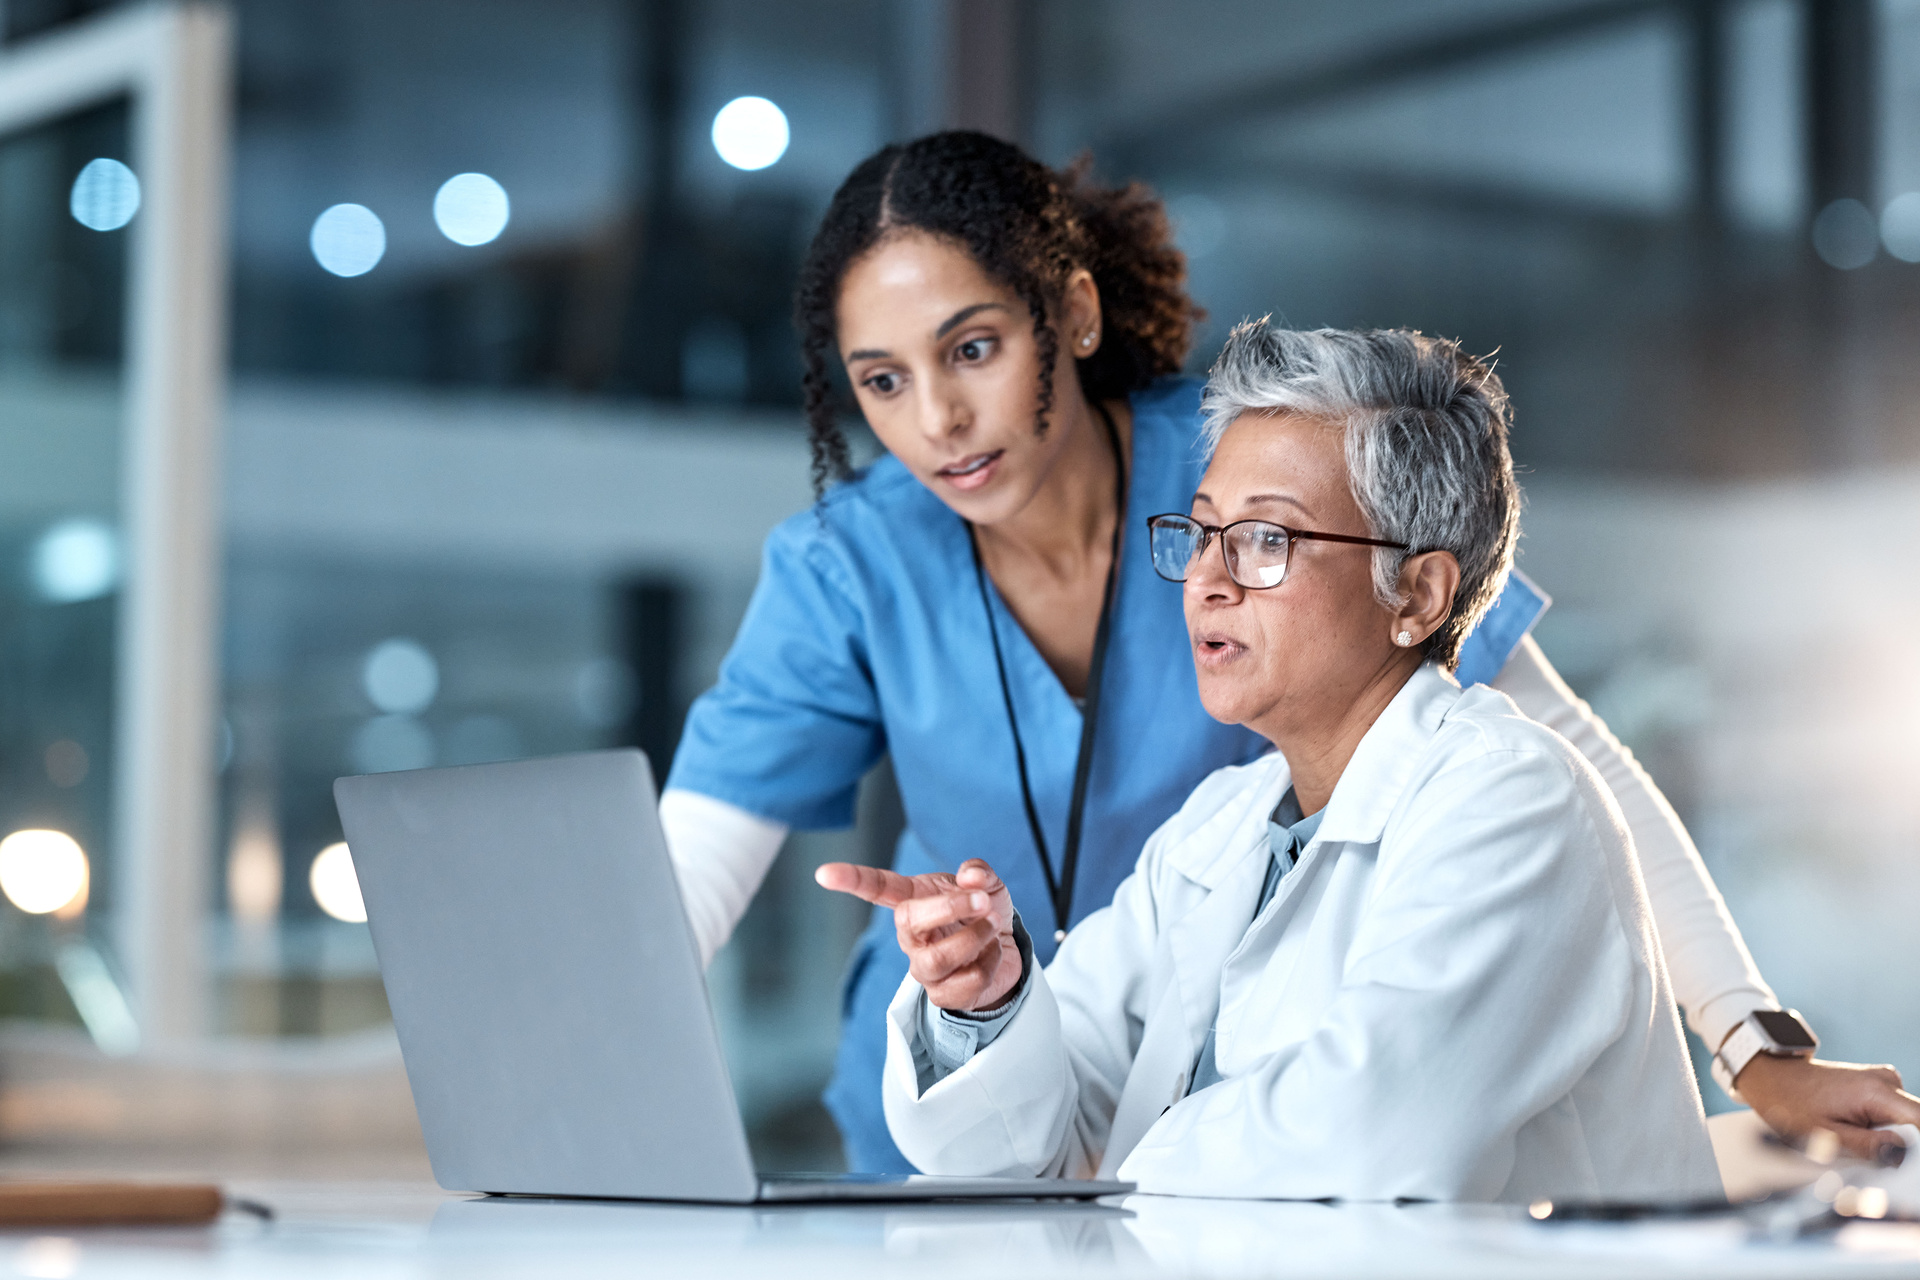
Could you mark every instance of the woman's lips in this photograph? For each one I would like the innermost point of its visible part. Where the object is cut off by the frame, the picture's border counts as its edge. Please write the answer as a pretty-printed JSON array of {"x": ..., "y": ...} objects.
[
  {"x": 972, "y": 471},
  {"x": 1215, "y": 649}
]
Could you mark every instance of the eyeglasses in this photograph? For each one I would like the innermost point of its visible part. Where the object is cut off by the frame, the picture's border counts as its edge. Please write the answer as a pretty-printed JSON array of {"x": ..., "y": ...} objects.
[{"x": 1256, "y": 551}]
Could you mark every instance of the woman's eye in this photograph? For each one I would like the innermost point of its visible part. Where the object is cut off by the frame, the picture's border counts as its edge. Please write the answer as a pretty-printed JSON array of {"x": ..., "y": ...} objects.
[
  {"x": 973, "y": 350},
  {"x": 881, "y": 384}
]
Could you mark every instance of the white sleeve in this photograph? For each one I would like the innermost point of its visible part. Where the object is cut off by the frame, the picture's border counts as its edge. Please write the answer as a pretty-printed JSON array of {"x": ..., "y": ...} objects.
[
  {"x": 1713, "y": 975},
  {"x": 720, "y": 855},
  {"x": 1040, "y": 1100}
]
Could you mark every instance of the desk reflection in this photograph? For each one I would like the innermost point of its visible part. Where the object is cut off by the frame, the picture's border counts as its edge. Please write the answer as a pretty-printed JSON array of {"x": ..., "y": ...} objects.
[
  {"x": 1135, "y": 1236},
  {"x": 1003, "y": 1233}
]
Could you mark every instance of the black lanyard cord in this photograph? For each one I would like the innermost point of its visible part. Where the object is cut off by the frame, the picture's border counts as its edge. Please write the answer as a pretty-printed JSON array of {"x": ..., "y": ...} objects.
[{"x": 1060, "y": 888}]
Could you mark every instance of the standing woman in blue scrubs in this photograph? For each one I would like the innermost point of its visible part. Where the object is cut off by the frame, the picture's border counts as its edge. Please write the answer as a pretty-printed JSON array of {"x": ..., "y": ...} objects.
[{"x": 976, "y": 603}]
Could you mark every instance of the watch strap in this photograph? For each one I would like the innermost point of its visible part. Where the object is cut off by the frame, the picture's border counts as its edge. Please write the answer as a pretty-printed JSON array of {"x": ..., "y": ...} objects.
[
  {"x": 1735, "y": 1052},
  {"x": 1747, "y": 1040}
]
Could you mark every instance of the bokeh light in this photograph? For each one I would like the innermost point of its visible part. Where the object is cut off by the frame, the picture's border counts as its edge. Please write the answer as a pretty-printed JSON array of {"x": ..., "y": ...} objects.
[
  {"x": 1900, "y": 227},
  {"x": 399, "y": 675},
  {"x": 42, "y": 871},
  {"x": 335, "y": 886},
  {"x": 1845, "y": 235},
  {"x": 750, "y": 133},
  {"x": 76, "y": 560},
  {"x": 105, "y": 195},
  {"x": 348, "y": 239},
  {"x": 471, "y": 209}
]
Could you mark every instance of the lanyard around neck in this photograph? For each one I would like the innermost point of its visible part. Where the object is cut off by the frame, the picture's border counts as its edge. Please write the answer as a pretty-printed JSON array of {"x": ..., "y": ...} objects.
[{"x": 1060, "y": 886}]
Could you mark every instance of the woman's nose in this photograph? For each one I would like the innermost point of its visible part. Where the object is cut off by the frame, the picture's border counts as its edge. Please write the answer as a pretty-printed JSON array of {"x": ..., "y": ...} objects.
[
  {"x": 1207, "y": 576},
  {"x": 941, "y": 413}
]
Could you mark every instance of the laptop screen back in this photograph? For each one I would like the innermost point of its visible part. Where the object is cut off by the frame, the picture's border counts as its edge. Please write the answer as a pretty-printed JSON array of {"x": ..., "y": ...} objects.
[{"x": 543, "y": 980}]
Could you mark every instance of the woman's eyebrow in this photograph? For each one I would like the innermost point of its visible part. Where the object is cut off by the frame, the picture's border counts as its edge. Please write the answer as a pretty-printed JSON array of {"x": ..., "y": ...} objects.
[
  {"x": 961, "y": 316},
  {"x": 947, "y": 326},
  {"x": 1259, "y": 499}
]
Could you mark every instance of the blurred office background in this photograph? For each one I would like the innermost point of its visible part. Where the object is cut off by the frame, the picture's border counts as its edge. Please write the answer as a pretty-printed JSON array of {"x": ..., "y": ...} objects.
[{"x": 498, "y": 395}]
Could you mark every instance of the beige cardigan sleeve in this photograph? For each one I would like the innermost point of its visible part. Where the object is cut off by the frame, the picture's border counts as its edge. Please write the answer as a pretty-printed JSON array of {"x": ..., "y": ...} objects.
[{"x": 1713, "y": 975}]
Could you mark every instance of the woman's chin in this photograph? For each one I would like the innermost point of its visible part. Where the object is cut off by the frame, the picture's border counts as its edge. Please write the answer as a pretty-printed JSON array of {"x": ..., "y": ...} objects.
[{"x": 1226, "y": 698}]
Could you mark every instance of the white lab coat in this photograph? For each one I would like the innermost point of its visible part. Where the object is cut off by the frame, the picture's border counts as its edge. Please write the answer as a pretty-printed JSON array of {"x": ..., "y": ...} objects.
[{"x": 1456, "y": 994}]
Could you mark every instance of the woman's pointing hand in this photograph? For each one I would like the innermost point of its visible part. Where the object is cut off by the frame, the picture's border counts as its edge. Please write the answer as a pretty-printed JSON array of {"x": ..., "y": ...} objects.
[{"x": 957, "y": 930}]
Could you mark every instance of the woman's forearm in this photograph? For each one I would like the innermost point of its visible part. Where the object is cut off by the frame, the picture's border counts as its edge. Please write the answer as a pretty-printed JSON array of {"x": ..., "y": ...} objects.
[
  {"x": 1713, "y": 975},
  {"x": 720, "y": 855}
]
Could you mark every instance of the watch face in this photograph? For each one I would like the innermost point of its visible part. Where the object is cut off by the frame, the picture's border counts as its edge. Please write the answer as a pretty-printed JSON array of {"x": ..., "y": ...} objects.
[{"x": 1784, "y": 1029}]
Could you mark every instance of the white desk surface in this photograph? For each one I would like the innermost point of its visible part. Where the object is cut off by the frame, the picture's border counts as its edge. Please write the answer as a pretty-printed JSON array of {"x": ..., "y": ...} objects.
[{"x": 396, "y": 1231}]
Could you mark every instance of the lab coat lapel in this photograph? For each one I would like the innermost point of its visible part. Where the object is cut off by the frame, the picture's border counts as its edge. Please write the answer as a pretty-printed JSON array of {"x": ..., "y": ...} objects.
[
  {"x": 1369, "y": 789},
  {"x": 1198, "y": 945},
  {"x": 1227, "y": 858}
]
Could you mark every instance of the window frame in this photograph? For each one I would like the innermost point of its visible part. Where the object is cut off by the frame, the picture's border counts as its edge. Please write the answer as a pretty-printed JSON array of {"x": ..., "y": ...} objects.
[{"x": 174, "y": 63}]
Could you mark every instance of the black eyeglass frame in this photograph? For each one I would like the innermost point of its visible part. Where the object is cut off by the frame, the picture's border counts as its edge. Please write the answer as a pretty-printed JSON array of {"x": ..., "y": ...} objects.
[{"x": 1208, "y": 532}]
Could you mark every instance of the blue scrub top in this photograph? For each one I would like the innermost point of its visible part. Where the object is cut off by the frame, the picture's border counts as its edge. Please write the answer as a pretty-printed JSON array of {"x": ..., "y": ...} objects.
[{"x": 866, "y": 635}]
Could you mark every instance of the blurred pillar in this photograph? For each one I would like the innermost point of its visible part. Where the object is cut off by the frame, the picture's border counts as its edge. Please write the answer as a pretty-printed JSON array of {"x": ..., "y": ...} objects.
[
  {"x": 963, "y": 64},
  {"x": 650, "y": 624},
  {"x": 988, "y": 51},
  {"x": 1840, "y": 38},
  {"x": 663, "y": 91},
  {"x": 1707, "y": 125},
  {"x": 169, "y": 644},
  {"x": 654, "y": 328},
  {"x": 1840, "y": 101}
]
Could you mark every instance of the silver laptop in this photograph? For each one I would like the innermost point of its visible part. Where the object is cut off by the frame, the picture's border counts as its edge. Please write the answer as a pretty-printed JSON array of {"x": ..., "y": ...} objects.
[{"x": 548, "y": 994}]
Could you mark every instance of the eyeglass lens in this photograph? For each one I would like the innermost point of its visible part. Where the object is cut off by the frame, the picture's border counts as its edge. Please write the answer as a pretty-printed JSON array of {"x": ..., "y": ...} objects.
[{"x": 1256, "y": 551}]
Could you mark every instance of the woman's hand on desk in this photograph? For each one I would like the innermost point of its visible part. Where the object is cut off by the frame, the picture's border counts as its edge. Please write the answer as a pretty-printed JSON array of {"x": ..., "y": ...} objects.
[
  {"x": 957, "y": 930},
  {"x": 1795, "y": 1096}
]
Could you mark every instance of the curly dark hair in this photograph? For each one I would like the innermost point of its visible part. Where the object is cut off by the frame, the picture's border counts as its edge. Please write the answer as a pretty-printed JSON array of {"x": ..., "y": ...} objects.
[{"x": 1027, "y": 226}]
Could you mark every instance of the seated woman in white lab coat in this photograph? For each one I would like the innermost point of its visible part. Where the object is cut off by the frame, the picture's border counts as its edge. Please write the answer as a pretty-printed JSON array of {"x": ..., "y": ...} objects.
[{"x": 1408, "y": 953}]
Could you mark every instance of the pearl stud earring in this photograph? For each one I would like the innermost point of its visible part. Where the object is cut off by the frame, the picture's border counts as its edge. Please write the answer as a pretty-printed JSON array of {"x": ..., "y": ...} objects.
[
  {"x": 1404, "y": 639},
  {"x": 1086, "y": 340}
]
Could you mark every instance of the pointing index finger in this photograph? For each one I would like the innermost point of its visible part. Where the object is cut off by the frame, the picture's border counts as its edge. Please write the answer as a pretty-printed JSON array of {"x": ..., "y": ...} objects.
[{"x": 871, "y": 884}]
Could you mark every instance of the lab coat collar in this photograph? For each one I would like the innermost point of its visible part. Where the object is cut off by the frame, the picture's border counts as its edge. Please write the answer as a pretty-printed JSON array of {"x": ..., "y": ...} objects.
[
  {"x": 1366, "y": 795},
  {"x": 1374, "y": 780},
  {"x": 1210, "y": 852}
]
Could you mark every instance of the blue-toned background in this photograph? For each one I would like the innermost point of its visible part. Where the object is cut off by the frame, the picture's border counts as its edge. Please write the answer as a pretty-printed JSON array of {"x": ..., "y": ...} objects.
[{"x": 484, "y": 500}]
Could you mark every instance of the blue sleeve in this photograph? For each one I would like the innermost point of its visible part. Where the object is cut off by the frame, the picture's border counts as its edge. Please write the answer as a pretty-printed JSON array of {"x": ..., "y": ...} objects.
[
  {"x": 794, "y": 722},
  {"x": 1489, "y": 645}
]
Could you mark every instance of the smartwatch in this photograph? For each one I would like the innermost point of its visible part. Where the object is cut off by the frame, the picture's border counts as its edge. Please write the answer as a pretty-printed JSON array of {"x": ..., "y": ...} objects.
[{"x": 1778, "y": 1033}]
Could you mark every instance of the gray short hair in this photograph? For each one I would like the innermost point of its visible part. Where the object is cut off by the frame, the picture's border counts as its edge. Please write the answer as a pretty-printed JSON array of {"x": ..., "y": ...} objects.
[{"x": 1426, "y": 440}]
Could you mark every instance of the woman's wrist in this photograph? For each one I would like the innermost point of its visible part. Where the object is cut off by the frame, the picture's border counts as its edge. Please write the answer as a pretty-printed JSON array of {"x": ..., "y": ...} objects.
[{"x": 1768, "y": 1033}]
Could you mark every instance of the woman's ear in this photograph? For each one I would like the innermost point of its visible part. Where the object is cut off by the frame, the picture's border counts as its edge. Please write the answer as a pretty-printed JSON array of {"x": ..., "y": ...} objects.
[
  {"x": 1080, "y": 315},
  {"x": 1427, "y": 585}
]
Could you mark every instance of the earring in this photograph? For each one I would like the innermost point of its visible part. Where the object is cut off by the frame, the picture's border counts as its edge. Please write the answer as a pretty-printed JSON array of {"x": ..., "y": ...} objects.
[
  {"x": 1086, "y": 340},
  {"x": 1404, "y": 639}
]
